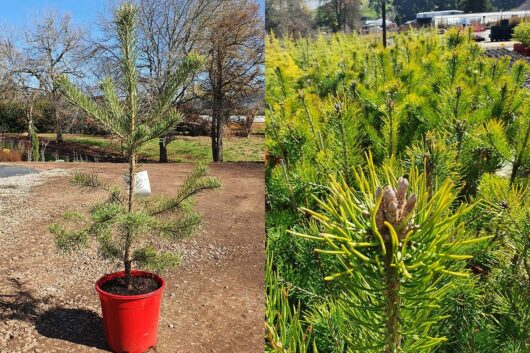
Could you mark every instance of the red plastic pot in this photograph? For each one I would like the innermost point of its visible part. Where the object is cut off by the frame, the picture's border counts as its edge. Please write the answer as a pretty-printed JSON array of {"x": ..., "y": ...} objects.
[
  {"x": 130, "y": 322},
  {"x": 521, "y": 49}
]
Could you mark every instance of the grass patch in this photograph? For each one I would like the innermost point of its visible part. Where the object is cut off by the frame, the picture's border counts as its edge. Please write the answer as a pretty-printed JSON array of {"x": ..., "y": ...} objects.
[
  {"x": 183, "y": 148},
  {"x": 87, "y": 140}
]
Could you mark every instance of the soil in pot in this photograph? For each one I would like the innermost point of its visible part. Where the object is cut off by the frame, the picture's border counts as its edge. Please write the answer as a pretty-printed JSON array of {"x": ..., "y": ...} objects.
[{"x": 140, "y": 285}]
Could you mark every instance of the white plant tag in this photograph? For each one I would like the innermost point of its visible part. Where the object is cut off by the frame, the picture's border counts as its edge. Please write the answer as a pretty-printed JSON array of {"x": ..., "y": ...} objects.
[{"x": 142, "y": 187}]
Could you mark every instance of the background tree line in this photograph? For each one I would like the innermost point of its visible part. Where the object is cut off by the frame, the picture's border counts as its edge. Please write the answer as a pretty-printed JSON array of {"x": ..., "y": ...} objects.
[
  {"x": 228, "y": 34},
  {"x": 296, "y": 18}
]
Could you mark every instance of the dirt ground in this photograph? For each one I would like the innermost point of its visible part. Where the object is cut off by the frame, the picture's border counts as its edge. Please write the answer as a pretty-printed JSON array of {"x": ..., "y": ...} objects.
[{"x": 214, "y": 302}]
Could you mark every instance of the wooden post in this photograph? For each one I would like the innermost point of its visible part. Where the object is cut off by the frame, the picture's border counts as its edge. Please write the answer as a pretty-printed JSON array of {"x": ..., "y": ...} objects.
[{"x": 383, "y": 12}]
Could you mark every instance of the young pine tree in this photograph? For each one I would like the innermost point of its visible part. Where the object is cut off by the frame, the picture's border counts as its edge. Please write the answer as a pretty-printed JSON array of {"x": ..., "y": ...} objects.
[
  {"x": 400, "y": 248},
  {"x": 124, "y": 229}
]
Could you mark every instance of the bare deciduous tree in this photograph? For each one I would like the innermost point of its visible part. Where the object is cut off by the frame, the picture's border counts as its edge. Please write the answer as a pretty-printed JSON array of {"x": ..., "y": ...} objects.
[
  {"x": 17, "y": 86},
  {"x": 345, "y": 14},
  {"x": 250, "y": 116},
  {"x": 234, "y": 43},
  {"x": 169, "y": 30},
  {"x": 55, "y": 47}
]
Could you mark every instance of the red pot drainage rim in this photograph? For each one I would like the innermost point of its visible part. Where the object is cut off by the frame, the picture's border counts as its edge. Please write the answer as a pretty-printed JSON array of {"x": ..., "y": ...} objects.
[{"x": 131, "y": 322}]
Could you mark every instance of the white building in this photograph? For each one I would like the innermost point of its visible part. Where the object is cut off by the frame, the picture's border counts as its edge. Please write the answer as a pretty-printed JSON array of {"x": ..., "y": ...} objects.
[{"x": 458, "y": 18}]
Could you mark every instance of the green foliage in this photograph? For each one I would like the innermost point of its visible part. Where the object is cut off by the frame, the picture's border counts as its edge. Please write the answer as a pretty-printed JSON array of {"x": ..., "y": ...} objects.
[
  {"x": 123, "y": 230},
  {"x": 327, "y": 107},
  {"x": 522, "y": 33},
  {"x": 144, "y": 231},
  {"x": 507, "y": 4},
  {"x": 452, "y": 122},
  {"x": 475, "y": 6},
  {"x": 284, "y": 330},
  {"x": 395, "y": 250}
]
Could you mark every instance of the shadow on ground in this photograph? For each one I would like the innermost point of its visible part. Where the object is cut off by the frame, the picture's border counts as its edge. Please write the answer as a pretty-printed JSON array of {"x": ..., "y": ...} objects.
[
  {"x": 73, "y": 325},
  {"x": 19, "y": 304},
  {"x": 79, "y": 326}
]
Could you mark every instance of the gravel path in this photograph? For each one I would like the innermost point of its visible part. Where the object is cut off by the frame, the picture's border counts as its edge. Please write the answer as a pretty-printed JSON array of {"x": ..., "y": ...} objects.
[
  {"x": 28, "y": 303},
  {"x": 498, "y": 53},
  {"x": 213, "y": 301},
  {"x": 7, "y": 171}
]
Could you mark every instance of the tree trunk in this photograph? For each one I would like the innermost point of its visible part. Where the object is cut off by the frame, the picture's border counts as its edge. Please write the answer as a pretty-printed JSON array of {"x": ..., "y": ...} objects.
[
  {"x": 217, "y": 127},
  {"x": 58, "y": 124},
  {"x": 29, "y": 122},
  {"x": 162, "y": 144},
  {"x": 127, "y": 260},
  {"x": 59, "y": 137},
  {"x": 217, "y": 139},
  {"x": 392, "y": 306},
  {"x": 34, "y": 151},
  {"x": 219, "y": 156}
]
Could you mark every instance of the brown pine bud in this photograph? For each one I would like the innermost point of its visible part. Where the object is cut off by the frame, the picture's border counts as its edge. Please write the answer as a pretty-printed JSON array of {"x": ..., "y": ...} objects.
[
  {"x": 403, "y": 185},
  {"x": 411, "y": 203}
]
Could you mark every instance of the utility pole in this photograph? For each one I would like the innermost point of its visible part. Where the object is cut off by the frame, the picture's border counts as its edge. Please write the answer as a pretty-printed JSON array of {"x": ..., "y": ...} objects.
[{"x": 383, "y": 12}]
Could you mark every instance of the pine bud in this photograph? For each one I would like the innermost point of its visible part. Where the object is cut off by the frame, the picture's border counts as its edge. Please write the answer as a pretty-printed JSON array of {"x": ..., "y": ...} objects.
[
  {"x": 389, "y": 195},
  {"x": 403, "y": 185},
  {"x": 411, "y": 203}
]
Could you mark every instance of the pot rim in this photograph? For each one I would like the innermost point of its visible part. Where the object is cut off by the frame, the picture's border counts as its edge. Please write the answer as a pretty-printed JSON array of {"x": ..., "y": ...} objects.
[{"x": 135, "y": 273}]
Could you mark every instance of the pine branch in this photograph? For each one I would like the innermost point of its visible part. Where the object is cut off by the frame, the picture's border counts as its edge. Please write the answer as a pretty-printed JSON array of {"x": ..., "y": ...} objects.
[
  {"x": 112, "y": 101},
  {"x": 148, "y": 257},
  {"x": 126, "y": 18},
  {"x": 194, "y": 184},
  {"x": 67, "y": 240},
  {"x": 189, "y": 68},
  {"x": 163, "y": 126},
  {"x": 75, "y": 96},
  {"x": 181, "y": 227}
]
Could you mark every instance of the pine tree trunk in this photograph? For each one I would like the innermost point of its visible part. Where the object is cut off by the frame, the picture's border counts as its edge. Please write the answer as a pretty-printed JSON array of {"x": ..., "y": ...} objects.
[
  {"x": 162, "y": 144},
  {"x": 392, "y": 306},
  {"x": 130, "y": 203}
]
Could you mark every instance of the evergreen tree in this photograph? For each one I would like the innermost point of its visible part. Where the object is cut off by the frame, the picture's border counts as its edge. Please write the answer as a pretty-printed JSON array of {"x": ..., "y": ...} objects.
[
  {"x": 475, "y": 5},
  {"x": 406, "y": 10},
  {"x": 287, "y": 17},
  {"x": 397, "y": 246},
  {"x": 123, "y": 229},
  {"x": 507, "y": 4}
]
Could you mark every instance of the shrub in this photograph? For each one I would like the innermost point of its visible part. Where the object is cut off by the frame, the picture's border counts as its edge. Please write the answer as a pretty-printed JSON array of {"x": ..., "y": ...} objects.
[
  {"x": 428, "y": 103},
  {"x": 522, "y": 33}
]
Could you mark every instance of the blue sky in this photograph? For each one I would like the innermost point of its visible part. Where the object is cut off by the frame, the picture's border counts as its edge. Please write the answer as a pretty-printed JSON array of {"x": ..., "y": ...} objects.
[{"x": 84, "y": 12}]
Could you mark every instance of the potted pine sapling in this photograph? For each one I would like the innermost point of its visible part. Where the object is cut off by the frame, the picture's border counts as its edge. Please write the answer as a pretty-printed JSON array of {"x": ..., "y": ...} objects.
[
  {"x": 136, "y": 231},
  {"x": 521, "y": 33},
  {"x": 401, "y": 251}
]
